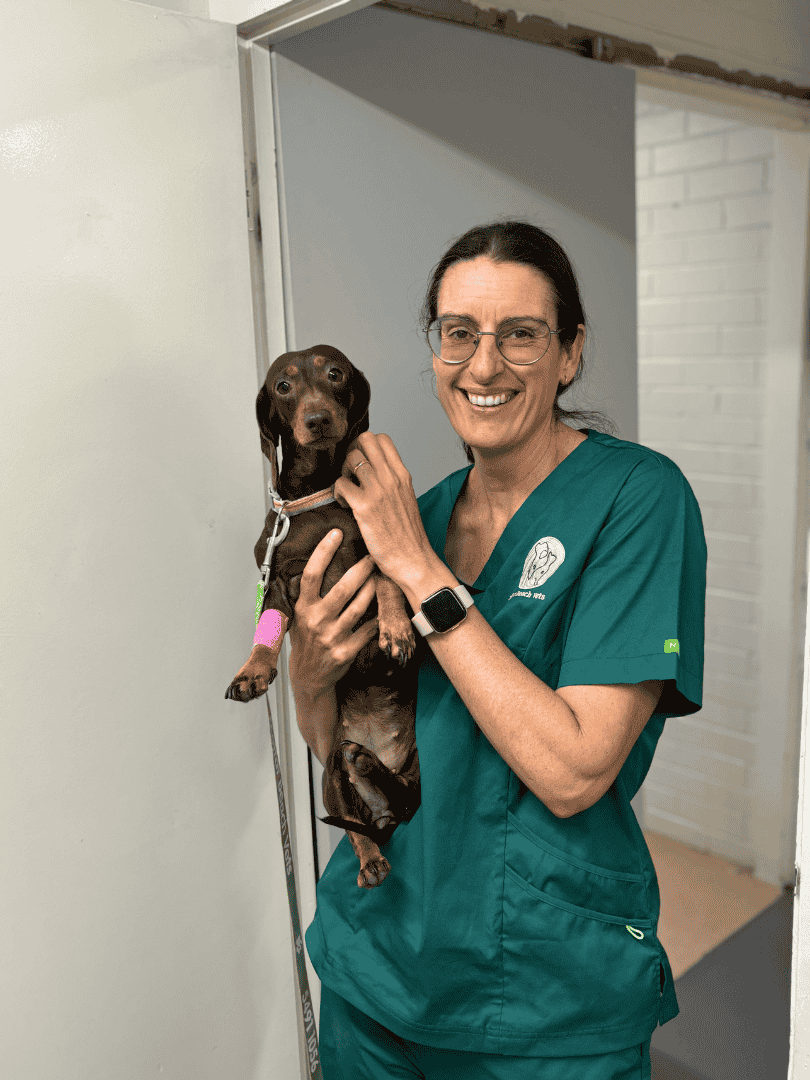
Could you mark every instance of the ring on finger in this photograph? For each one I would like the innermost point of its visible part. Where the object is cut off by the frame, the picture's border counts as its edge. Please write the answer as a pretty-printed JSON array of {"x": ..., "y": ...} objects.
[{"x": 359, "y": 465}]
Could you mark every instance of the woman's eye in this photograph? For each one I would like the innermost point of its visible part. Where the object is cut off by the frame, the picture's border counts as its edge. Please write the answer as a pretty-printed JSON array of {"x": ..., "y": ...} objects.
[
  {"x": 459, "y": 333},
  {"x": 519, "y": 333},
  {"x": 283, "y": 386},
  {"x": 335, "y": 375}
]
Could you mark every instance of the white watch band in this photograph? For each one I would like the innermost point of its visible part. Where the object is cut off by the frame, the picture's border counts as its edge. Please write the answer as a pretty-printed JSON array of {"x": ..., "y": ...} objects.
[{"x": 420, "y": 621}]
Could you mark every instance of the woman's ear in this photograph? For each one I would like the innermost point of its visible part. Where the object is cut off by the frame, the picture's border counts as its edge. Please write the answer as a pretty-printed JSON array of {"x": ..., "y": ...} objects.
[
  {"x": 358, "y": 410},
  {"x": 573, "y": 358},
  {"x": 269, "y": 429}
]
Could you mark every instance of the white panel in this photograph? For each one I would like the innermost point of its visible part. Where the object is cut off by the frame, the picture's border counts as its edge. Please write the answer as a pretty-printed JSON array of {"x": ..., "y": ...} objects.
[{"x": 145, "y": 926}]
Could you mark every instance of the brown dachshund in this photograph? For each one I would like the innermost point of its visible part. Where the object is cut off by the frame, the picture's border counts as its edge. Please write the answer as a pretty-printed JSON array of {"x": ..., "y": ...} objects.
[{"x": 315, "y": 403}]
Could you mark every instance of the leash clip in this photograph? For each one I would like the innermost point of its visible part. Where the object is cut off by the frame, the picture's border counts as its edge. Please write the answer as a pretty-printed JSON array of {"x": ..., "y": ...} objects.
[{"x": 280, "y": 530}]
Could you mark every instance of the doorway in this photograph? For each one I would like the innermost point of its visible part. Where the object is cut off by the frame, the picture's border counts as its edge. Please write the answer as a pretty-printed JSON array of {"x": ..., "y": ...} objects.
[{"x": 349, "y": 137}]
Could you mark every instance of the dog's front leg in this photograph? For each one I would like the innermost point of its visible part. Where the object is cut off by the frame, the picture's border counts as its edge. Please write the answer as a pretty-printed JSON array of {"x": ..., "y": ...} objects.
[
  {"x": 255, "y": 676},
  {"x": 397, "y": 638}
]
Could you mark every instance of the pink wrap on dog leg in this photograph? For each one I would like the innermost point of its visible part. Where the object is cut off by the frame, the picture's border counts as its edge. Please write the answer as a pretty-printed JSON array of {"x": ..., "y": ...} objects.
[{"x": 271, "y": 629}]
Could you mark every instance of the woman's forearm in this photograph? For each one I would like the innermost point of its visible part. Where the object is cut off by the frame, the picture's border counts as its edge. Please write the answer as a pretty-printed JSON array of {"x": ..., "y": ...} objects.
[
  {"x": 567, "y": 759},
  {"x": 316, "y": 713}
]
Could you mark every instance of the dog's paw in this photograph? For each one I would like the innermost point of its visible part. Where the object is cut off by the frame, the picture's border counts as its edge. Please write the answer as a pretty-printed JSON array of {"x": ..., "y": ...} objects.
[
  {"x": 247, "y": 686},
  {"x": 397, "y": 639},
  {"x": 374, "y": 872}
]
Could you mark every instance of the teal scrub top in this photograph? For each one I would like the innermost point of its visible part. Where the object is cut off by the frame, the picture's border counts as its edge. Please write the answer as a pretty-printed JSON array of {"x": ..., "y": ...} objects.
[{"x": 502, "y": 928}]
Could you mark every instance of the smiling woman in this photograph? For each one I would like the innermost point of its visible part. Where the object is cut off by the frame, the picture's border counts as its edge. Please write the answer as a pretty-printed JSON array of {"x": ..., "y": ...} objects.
[
  {"x": 517, "y": 244},
  {"x": 516, "y": 933},
  {"x": 495, "y": 402}
]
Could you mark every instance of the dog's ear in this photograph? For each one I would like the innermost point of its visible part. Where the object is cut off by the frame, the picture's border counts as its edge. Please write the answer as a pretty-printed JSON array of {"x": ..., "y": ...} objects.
[
  {"x": 358, "y": 413},
  {"x": 269, "y": 427}
]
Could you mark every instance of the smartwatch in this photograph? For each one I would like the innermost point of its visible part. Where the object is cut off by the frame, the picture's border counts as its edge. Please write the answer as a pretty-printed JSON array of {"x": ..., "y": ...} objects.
[{"x": 442, "y": 611}]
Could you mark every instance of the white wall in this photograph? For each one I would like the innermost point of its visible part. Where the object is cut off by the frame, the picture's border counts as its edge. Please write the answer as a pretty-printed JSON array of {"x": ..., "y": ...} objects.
[
  {"x": 185, "y": 7},
  {"x": 237, "y": 11},
  {"x": 704, "y": 224},
  {"x": 144, "y": 927}
]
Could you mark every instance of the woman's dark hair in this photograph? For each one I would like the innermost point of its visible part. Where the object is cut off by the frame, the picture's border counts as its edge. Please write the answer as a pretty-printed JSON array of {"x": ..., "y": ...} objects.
[{"x": 520, "y": 242}]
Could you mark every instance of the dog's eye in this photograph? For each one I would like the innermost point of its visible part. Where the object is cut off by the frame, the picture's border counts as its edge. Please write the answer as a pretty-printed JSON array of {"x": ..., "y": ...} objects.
[
  {"x": 336, "y": 375},
  {"x": 283, "y": 386}
]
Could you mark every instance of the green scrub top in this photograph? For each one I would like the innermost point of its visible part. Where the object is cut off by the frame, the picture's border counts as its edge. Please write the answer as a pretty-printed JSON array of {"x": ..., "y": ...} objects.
[{"x": 502, "y": 928}]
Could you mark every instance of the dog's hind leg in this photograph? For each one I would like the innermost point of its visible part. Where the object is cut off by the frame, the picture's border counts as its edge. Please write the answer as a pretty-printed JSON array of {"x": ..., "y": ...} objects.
[
  {"x": 343, "y": 801},
  {"x": 359, "y": 763},
  {"x": 374, "y": 867}
]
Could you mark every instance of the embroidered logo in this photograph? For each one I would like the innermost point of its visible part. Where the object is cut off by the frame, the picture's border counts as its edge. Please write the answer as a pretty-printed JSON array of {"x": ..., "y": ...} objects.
[
  {"x": 546, "y": 556},
  {"x": 672, "y": 645}
]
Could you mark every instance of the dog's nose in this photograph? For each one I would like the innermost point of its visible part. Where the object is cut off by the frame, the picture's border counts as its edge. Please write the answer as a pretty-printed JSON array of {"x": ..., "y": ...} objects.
[{"x": 317, "y": 422}]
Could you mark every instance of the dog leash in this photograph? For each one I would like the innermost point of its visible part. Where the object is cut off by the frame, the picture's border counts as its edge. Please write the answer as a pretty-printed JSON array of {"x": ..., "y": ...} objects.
[
  {"x": 305, "y": 1000},
  {"x": 280, "y": 530}
]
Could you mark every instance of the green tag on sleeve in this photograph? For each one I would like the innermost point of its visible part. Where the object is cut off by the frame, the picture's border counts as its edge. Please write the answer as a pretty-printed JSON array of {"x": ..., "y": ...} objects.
[{"x": 672, "y": 645}]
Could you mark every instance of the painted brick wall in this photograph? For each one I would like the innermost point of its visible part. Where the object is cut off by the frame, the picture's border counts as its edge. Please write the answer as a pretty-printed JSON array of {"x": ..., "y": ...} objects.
[{"x": 704, "y": 212}]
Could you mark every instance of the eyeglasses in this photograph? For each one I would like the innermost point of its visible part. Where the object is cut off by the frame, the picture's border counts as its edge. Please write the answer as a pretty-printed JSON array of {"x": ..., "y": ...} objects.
[{"x": 521, "y": 341}]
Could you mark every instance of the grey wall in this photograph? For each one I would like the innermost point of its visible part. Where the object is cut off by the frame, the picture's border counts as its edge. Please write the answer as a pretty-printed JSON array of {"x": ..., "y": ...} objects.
[{"x": 396, "y": 135}]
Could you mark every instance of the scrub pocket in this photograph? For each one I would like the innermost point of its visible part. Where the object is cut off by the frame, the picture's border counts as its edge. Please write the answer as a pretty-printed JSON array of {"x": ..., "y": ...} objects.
[{"x": 579, "y": 955}]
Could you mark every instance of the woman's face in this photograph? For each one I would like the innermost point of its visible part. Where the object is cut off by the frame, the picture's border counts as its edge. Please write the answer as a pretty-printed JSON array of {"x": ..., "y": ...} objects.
[{"x": 488, "y": 293}]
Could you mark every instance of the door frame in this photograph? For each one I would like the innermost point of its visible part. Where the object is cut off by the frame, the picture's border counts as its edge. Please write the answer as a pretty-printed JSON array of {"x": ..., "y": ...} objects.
[
  {"x": 781, "y": 765},
  {"x": 267, "y": 249}
]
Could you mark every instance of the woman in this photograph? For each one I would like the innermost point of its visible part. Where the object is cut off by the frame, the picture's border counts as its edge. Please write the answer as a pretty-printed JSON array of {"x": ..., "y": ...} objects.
[{"x": 516, "y": 933}]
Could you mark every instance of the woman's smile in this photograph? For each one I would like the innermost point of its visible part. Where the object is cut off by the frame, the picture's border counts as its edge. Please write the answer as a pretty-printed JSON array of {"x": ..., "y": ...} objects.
[{"x": 488, "y": 401}]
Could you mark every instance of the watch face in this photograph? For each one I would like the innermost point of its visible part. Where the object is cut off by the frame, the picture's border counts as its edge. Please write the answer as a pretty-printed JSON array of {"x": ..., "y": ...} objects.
[{"x": 444, "y": 610}]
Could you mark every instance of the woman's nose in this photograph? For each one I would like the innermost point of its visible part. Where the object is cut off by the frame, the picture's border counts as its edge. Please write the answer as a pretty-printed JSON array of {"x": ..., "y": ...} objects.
[{"x": 486, "y": 361}]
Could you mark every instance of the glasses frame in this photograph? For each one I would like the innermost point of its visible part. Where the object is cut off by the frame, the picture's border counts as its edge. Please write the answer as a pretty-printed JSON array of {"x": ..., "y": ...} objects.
[{"x": 436, "y": 324}]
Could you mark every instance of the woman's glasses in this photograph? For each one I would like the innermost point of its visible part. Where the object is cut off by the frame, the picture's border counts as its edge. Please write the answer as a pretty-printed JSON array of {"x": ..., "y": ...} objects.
[{"x": 520, "y": 341}]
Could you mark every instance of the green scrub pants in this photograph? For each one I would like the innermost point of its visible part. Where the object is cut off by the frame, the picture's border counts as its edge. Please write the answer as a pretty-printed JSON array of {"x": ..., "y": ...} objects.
[{"x": 355, "y": 1047}]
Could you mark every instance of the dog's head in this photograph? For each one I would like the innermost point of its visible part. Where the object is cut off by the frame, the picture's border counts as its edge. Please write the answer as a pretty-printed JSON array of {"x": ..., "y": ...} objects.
[{"x": 315, "y": 398}]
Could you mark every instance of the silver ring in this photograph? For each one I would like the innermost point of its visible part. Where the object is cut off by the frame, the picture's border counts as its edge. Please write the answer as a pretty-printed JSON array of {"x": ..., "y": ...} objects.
[{"x": 360, "y": 465}]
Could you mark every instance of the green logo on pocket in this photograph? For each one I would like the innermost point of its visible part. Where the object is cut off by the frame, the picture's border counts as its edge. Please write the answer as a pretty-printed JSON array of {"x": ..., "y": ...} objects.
[{"x": 672, "y": 645}]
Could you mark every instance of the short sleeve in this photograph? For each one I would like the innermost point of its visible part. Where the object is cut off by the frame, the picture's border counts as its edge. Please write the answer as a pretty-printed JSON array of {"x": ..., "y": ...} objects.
[{"x": 638, "y": 609}]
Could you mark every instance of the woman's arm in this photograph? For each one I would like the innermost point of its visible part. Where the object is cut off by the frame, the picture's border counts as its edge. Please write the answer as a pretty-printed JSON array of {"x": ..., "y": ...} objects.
[
  {"x": 567, "y": 746},
  {"x": 322, "y": 641}
]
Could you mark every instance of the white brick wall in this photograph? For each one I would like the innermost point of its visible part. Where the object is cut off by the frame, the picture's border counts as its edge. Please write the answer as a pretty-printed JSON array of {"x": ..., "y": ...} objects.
[{"x": 704, "y": 212}]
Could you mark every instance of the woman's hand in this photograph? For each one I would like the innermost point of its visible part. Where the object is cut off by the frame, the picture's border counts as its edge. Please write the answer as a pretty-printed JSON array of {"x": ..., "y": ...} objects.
[
  {"x": 322, "y": 639},
  {"x": 378, "y": 489}
]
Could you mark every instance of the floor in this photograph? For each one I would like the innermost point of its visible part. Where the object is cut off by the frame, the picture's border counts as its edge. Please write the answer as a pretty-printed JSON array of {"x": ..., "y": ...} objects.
[{"x": 704, "y": 899}]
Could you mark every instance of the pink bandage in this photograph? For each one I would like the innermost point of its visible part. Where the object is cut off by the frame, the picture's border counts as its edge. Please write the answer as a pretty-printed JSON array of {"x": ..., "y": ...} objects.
[{"x": 271, "y": 629}]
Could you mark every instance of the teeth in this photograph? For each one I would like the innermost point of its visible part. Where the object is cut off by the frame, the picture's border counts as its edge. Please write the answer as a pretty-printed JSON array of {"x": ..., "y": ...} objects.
[{"x": 489, "y": 400}]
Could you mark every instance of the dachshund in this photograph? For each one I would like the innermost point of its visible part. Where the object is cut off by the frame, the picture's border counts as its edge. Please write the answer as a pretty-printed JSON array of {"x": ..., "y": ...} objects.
[{"x": 315, "y": 403}]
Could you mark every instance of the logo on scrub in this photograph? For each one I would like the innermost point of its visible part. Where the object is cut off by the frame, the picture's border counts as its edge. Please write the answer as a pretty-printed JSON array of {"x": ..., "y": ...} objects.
[
  {"x": 545, "y": 557},
  {"x": 672, "y": 645}
]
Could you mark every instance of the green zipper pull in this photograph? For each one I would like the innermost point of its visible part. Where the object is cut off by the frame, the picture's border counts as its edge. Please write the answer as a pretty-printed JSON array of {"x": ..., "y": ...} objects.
[{"x": 637, "y": 934}]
